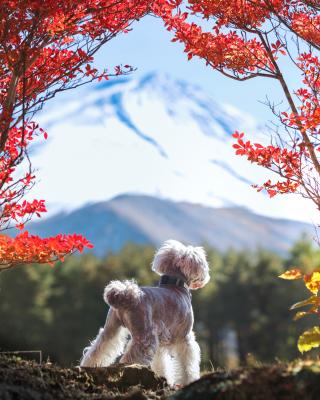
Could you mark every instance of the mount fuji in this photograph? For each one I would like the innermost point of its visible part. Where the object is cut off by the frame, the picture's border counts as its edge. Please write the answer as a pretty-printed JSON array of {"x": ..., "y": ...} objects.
[{"x": 153, "y": 136}]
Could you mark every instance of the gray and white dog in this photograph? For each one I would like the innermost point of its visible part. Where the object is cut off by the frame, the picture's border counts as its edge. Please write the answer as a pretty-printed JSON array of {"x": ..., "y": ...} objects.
[{"x": 159, "y": 319}]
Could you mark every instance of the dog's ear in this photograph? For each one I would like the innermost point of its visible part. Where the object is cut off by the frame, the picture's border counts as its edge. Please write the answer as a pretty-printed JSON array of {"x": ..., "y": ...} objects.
[
  {"x": 195, "y": 267},
  {"x": 164, "y": 259},
  {"x": 175, "y": 258}
]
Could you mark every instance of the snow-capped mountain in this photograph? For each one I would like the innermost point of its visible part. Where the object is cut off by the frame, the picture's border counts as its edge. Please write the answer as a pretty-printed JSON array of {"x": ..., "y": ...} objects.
[{"x": 153, "y": 136}]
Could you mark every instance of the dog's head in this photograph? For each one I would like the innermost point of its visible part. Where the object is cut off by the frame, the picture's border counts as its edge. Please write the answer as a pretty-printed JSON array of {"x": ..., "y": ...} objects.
[{"x": 174, "y": 258}]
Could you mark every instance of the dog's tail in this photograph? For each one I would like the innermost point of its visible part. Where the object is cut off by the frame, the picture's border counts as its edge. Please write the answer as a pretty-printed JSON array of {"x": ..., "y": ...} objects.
[{"x": 122, "y": 294}]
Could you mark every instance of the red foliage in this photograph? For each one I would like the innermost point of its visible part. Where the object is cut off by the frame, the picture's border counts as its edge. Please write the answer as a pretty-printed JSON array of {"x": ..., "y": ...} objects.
[
  {"x": 45, "y": 48},
  {"x": 286, "y": 163},
  {"x": 25, "y": 248},
  {"x": 247, "y": 40}
]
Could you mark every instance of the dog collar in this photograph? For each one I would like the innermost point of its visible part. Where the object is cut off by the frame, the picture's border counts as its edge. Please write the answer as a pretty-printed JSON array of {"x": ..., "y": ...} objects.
[{"x": 172, "y": 280}]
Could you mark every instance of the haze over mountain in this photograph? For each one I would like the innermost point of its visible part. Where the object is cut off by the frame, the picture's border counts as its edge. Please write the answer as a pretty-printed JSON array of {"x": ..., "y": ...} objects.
[
  {"x": 153, "y": 136},
  {"x": 149, "y": 220}
]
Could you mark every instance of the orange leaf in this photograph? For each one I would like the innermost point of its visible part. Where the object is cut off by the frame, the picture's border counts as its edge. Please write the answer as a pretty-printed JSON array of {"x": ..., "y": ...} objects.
[
  {"x": 312, "y": 282},
  {"x": 292, "y": 274}
]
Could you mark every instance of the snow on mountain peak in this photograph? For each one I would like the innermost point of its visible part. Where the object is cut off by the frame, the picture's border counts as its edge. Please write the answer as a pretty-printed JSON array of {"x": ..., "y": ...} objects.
[{"x": 154, "y": 135}]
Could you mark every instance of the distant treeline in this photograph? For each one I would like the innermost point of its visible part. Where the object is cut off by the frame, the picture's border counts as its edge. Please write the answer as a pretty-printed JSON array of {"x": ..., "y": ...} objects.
[{"x": 242, "y": 314}]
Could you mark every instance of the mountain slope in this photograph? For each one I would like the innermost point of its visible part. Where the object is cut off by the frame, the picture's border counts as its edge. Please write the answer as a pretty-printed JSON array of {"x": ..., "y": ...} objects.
[
  {"x": 155, "y": 136},
  {"x": 148, "y": 220}
]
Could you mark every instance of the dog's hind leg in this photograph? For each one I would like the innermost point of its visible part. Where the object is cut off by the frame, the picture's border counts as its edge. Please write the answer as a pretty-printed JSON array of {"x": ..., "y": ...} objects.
[
  {"x": 140, "y": 350},
  {"x": 108, "y": 345},
  {"x": 186, "y": 354},
  {"x": 158, "y": 364},
  {"x": 162, "y": 364},
  {"x": 144, "y": 342}
]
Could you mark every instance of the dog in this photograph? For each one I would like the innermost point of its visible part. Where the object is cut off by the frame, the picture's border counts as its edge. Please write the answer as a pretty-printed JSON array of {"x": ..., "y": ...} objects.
[{"x": 158, "y": 319}]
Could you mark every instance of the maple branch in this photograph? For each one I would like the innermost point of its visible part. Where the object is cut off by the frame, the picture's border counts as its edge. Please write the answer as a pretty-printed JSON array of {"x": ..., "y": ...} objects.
[
  {"x": 284, "y": 22},
  {"x": 7, "y": 110},
  {"x": 292, "y": 105},
  {"x": 244, "y": 78}
]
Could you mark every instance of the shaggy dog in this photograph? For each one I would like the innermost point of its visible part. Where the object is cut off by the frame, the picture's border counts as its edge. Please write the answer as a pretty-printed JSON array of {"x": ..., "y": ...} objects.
[{"x": 159, "y": 319}]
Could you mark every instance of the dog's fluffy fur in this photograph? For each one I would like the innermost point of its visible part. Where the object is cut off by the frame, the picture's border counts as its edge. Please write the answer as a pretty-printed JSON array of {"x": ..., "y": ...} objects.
[{"x": 159, "y": 319}]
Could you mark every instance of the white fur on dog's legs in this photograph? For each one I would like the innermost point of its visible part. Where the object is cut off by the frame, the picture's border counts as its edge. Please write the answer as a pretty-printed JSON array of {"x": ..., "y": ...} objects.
[
  {"x": 162, "y": 365},
  {"x": 107, "y": 346},
  {"x": 187, "y": 360}
]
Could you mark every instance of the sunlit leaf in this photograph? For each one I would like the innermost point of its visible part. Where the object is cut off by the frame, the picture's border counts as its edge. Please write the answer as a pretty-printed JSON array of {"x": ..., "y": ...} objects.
[
  {"x": 312, "y": 282},
  {"x": 300, "y": 314},
  {"x": 292, "y": 274},
  {"x": 310, "y": 339},
  {"x": 310, "y": 301}
]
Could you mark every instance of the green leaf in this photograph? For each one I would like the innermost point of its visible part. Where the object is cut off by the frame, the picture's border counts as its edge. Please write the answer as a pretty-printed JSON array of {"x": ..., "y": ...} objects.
[{"x": 309, "y": 339}]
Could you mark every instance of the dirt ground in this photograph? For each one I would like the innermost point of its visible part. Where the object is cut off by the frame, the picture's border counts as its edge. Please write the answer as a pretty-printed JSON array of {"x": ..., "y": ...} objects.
[
  {"x": 295, "y": 381},
  {"x": 27, "y": 380}
]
